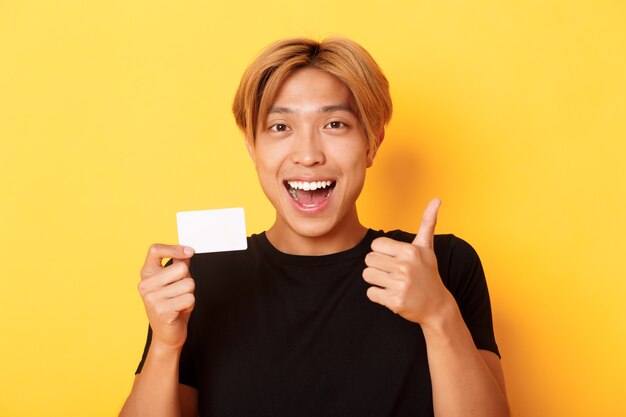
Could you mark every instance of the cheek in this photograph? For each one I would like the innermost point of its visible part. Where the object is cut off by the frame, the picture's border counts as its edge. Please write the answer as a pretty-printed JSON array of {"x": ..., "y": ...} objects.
[
  {"x": 355, "y": 169},
  {"x": 270, "y": 155},
  {"x": 264, "y": 160},
  {"x": 268, "y": 169},
  {"x": 357, "y": 159}
]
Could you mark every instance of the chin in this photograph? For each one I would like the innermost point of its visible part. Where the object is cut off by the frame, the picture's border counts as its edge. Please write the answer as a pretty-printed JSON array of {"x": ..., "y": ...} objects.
[{"x": 311, "y": 228}]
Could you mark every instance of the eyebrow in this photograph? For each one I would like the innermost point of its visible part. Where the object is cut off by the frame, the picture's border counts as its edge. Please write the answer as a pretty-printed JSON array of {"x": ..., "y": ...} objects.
[{"x": 324, "y": 109}]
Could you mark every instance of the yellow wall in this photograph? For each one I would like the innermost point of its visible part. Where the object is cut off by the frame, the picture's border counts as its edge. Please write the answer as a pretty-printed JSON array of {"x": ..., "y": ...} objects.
[{"x": 115, "y": 114}]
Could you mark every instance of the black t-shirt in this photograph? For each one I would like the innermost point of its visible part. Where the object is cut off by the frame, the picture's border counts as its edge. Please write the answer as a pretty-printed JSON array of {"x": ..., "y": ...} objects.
[{"x": 274, "y": 334}]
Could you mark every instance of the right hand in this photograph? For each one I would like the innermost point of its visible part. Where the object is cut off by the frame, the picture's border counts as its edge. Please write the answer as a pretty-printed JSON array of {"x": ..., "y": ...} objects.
[{"x": 167, "y": 294}]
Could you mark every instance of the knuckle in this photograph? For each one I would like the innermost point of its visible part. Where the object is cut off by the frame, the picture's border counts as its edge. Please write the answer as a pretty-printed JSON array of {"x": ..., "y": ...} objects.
[
  {"x": 150, "y": 300},
  {"x": 410, "y": 251},
  {"x": 160, "y": 310},
  {"x": 190, "y": 284},
  {"x": 157, "y": 313},
  {"x": 398, "y": 304},
  {"x": 181, "y": 268},
  {"x": 153, "y": 250},
  {"x": 404, "y": 268},
  {"x": 192, "y": 298},
  {"x": 188, "y": 300}
]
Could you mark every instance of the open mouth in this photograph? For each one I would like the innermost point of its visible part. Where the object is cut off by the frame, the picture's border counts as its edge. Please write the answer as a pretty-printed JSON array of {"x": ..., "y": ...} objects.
[{"x": 310, "y": 194}]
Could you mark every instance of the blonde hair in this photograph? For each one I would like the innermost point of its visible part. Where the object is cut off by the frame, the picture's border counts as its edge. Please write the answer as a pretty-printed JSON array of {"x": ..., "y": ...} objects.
[{"x": 340, "y": 57}]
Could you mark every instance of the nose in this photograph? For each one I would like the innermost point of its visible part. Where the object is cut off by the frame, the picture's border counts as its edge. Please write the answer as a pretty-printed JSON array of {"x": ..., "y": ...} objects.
[{"x": 307, "y": 149}]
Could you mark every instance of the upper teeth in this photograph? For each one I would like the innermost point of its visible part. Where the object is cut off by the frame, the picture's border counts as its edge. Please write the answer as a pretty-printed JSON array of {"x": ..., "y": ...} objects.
[{"x": 309, "y": 186}]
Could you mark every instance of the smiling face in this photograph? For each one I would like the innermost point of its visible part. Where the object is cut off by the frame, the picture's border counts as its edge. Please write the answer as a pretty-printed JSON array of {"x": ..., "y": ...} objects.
[{"x": 311, "y": 156}]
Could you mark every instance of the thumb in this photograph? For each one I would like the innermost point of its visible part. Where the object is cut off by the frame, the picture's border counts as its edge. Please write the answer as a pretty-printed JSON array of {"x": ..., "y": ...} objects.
[{"x": 426, "y": 233}]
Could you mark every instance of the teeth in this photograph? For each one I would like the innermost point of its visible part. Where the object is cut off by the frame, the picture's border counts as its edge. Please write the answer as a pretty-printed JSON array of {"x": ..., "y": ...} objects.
[{"x": 309, "y": 186}]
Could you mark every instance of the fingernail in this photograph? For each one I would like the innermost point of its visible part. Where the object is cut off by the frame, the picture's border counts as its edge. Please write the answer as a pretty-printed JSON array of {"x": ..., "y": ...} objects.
[{"x": 188, "y": 250}]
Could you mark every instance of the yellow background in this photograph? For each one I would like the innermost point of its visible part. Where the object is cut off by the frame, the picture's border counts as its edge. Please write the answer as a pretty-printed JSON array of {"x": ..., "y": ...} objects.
[{"x": 116, "y": 114}]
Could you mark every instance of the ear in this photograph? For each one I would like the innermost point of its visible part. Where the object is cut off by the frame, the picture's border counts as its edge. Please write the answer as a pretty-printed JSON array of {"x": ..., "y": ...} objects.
[
  {"x": 250, "y": 148},
  {"x": 372, "y": 152}
]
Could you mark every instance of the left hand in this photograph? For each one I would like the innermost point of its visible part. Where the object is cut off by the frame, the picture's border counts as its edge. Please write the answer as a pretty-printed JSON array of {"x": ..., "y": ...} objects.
[{"x": 404, "y": 276}]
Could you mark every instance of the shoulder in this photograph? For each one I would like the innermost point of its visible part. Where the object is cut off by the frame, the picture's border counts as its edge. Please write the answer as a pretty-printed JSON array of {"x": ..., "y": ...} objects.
[
  {"x": 454, "y": 248},
  {"x": 459, "y": 266}
]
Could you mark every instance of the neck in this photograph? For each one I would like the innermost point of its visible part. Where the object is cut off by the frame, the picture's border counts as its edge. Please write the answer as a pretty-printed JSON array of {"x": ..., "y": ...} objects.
[{"x": 344, "y": 235}]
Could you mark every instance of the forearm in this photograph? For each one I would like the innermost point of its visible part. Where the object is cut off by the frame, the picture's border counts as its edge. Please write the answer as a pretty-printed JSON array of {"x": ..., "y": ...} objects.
[
  {"x": 463, "y": 385},
  {"x": 155, "y": 390}
]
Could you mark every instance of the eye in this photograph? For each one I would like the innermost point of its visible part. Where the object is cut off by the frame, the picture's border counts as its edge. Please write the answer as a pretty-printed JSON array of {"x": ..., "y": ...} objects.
[
  {"x": 279, "y": 127},
  {"x": 335, "y": 125}
]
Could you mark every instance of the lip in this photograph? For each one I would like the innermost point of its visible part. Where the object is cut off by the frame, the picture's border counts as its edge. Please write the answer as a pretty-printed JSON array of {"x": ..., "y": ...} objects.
[
  {"x": 310, "y": 210},
  {"x": 309, "y": 179}
]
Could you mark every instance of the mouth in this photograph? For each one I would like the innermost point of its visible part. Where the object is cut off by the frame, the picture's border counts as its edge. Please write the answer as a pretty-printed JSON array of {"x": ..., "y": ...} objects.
[{"x": 310, "y": 194}]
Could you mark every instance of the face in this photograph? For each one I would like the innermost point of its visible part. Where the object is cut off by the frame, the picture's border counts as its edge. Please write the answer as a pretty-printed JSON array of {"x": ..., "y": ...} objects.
[{"x": 311, "y": 156}]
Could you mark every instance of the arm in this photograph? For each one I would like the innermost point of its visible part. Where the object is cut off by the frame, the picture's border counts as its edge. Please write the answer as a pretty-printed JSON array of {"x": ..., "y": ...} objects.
[
  {"x": 167, "y": 293},
  {"x": 466, "y": 382},
  {"x": 158, "y": 380}
]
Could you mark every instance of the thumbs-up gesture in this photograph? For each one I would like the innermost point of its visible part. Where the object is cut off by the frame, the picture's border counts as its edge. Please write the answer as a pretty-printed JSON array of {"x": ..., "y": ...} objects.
[{"x": 404, "y": 276}]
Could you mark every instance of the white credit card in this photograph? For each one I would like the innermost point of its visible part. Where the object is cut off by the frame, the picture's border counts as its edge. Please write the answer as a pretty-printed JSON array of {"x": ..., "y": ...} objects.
[{"x": 212, "y": 230}]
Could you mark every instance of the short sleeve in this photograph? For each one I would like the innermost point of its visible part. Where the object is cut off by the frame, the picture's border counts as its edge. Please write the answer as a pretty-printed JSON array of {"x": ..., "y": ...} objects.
[{"x": 463, "y": 274}]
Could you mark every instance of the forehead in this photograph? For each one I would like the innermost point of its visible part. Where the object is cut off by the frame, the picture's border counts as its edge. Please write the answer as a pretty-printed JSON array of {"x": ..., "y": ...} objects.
[{"x": 309, "y": 89}]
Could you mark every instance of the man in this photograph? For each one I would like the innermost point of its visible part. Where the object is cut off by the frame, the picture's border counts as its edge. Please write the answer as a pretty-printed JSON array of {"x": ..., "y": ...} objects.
[{"x": 320, "y": 315}]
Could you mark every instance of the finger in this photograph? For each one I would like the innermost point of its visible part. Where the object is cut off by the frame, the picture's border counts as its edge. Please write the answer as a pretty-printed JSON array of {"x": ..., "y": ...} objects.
[
  {"x": 164, "y": 277},
  {"x": 170, "y": 309},
  {"x": 377, "y": 295},
  {"x": 389, "y": 247},
  {"x": 183, "y": 303},
  {"x": 159, "y": 301},
  {"x": 176, "y": 289},
  {"x": 380, "y": 261},
  {"x": 157, "y": 252},
  {"x": 426, "y": 233},
  {"x": 377, "y": 277},
  {"x": 185, "y": 261}
]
